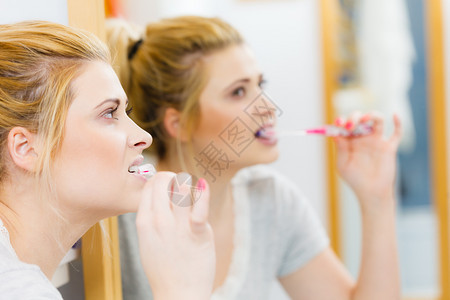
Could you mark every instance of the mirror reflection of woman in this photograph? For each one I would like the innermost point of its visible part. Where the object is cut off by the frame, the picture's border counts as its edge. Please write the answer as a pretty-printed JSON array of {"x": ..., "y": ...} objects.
[
  {"x": 67, "y": 151},
  {"x": 191, "y": 81}
]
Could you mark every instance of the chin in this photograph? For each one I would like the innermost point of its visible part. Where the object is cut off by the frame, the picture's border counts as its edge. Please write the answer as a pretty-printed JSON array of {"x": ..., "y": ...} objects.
[
  {"x": 264, "y": 158},
  {"x": 271, "y": 155},
  {"x": 270, "y": 159}
]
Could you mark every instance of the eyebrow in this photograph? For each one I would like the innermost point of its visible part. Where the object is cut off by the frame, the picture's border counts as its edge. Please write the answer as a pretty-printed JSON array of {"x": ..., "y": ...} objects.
[
  {"x": 115, "y": 100},
  {"x": 244, "y": 80}
]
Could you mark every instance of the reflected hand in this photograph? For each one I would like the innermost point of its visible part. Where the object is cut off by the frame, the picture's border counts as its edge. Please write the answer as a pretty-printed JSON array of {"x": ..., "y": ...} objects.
[{"x": 368, "y": 163}]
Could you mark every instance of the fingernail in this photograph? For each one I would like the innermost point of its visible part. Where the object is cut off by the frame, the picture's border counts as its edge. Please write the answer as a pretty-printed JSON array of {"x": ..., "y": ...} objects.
[
  {"x": 201, "y": 184},
  {"x": 365, "y": 118},
  {"x": 349, "y": 125}
]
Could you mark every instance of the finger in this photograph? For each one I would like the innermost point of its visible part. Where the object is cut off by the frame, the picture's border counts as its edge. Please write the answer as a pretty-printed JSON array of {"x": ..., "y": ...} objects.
[
  {"x": 353, "y": 120},
  {"x": 360, "y": 125},
  {"x": 182, "y": 198},
  {"x": 145, "y": 206},
  {"x": 396, "y": 136},
  {"x": 200, "y": 210},
  {"x": 378, "y": 127},
  {"x": 340, "y": 121},
  {"x": 181, "y": 190},
  {"x": 343, "y": 146},
  {"x": 161, "y": 203},
  {"x": 377, "y": 120},
  {"x": 365, "y": 118},
  {"x": 343, "y": 150},
  {"x": 340, "y": 143}
]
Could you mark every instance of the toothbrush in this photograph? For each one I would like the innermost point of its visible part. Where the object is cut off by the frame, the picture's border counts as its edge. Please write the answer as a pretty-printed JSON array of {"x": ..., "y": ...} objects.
[
  {"x": 147, "y": 170},
  {"x": 327, "y": 130}
]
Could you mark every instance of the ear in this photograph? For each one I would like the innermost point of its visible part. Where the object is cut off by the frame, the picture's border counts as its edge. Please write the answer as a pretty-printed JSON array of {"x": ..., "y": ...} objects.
[
  {"x": 172, "y": 124},
  {"x": 22, "y": 148}
]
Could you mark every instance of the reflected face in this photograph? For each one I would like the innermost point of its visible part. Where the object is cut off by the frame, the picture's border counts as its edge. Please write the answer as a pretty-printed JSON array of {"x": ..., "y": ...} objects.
[
  {"x": 233, "y": 109},
  {"x": 101, "y": 142}
]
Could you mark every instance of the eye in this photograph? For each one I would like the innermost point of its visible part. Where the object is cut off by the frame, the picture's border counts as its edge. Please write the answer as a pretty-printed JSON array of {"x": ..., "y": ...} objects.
[
  {"x": 110, "y": 113},
  {"x": 129, "y": 110},
  {"x": 239, "y": 92},
  {"x": 262, "y": 84}
]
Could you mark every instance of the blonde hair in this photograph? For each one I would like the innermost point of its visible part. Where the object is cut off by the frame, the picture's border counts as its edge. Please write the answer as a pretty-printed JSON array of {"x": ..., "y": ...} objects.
[
  {"x": 38, "y": 62},
  {"x": 166, "y": 70}
]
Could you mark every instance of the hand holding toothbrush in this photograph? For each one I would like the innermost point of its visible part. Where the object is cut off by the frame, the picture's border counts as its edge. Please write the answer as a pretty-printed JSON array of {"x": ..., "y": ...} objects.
[
  {"x": 368, "y": 163},
  {"x": 176, "y": 243},
  {"x": 361, "y": 129}
]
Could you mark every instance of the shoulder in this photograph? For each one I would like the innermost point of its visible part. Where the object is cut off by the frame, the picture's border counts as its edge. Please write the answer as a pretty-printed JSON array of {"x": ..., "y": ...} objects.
[
  {"x": 269, "y": 180},
  {"x": 8, "y": 258},
  {"x": 19, "y": 280},
  {"x": 271, "y": 194},
  {"x": 258, "y": 173},
  {"x": 10, "y": 263}
]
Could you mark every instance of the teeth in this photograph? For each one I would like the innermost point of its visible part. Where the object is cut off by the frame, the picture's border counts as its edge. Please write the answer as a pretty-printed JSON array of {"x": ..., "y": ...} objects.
[
  {"x": 147, "y": 170},
  {"x": 265, "y": 133},
  {"x": 133, "y": 169}
]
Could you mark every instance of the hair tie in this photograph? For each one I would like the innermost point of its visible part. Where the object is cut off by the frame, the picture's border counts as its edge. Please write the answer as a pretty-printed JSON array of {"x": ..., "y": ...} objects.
[{"x": 134, "y": 49}]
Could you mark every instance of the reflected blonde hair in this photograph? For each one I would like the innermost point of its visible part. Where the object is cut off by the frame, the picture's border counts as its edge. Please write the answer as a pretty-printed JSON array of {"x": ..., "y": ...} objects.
[
  {"x": 38, "y": 62},
  {"x": 166, "y": 70}
]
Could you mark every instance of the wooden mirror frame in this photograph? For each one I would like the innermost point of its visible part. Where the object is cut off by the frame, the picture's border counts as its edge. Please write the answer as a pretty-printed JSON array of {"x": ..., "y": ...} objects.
[{"x": 100, "y": 246}]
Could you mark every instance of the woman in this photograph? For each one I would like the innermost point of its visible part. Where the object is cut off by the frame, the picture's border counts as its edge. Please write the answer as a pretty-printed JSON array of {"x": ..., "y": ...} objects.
[
  {"x": 69, "y": 152},
  {"x": 197, "y": 89}
]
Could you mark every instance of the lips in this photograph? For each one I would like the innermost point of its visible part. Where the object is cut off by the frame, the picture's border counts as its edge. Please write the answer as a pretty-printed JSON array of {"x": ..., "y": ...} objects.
[
  {"x": 267, "y": 134},
  {"x": 134, "y": 167},
  {"x": 266, "y": 131},
  {"x": 145, "y": 170}
]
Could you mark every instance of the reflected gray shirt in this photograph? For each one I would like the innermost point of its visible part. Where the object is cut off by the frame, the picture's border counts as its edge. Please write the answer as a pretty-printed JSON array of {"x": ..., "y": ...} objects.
[
  {"x": 19, "y": 280},
  {"x": 276, "y": 233}
]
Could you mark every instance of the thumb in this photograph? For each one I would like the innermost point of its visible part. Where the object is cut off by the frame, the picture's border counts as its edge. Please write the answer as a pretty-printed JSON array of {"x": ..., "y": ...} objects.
[{"x": 341, "y": 144}]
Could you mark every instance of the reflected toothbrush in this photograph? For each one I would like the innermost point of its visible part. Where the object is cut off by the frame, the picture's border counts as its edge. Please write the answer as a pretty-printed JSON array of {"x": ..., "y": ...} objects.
[{"x": 327, "y": 130}]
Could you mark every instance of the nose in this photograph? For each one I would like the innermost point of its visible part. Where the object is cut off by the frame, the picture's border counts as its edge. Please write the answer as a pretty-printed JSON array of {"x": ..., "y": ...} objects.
[
  {"x": 140, "y": 138},
  {"x": 264, "y": 107}
]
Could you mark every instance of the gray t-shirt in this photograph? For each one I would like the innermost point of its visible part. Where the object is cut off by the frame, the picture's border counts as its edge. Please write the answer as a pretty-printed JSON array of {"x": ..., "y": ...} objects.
[
  {"x": 19, "y": 280},
  {"x": 276, "y": 233}
]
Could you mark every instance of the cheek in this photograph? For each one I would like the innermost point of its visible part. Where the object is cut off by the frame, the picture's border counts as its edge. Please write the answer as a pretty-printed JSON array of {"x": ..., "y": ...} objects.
[
  {"x": 90, "y": 163},
  {"x": 213, "y": 122},
  {"x": 95, "y": 149},
  {"x": 210, "y": 128},
  {"x": 90, "y": 172},
  {"x": 216, "y": 119},
  {"x": 227, "y": 130}
]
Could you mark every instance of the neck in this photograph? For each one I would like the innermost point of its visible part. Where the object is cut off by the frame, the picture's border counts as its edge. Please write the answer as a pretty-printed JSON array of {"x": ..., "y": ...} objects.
[
  {"x": 38, "y": 235},
  {"x": 220, "y": 198}
]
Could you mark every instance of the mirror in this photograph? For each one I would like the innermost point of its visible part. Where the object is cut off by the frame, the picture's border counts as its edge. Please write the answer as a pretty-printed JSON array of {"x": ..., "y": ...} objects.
[{"x": 383, "y": 61}]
